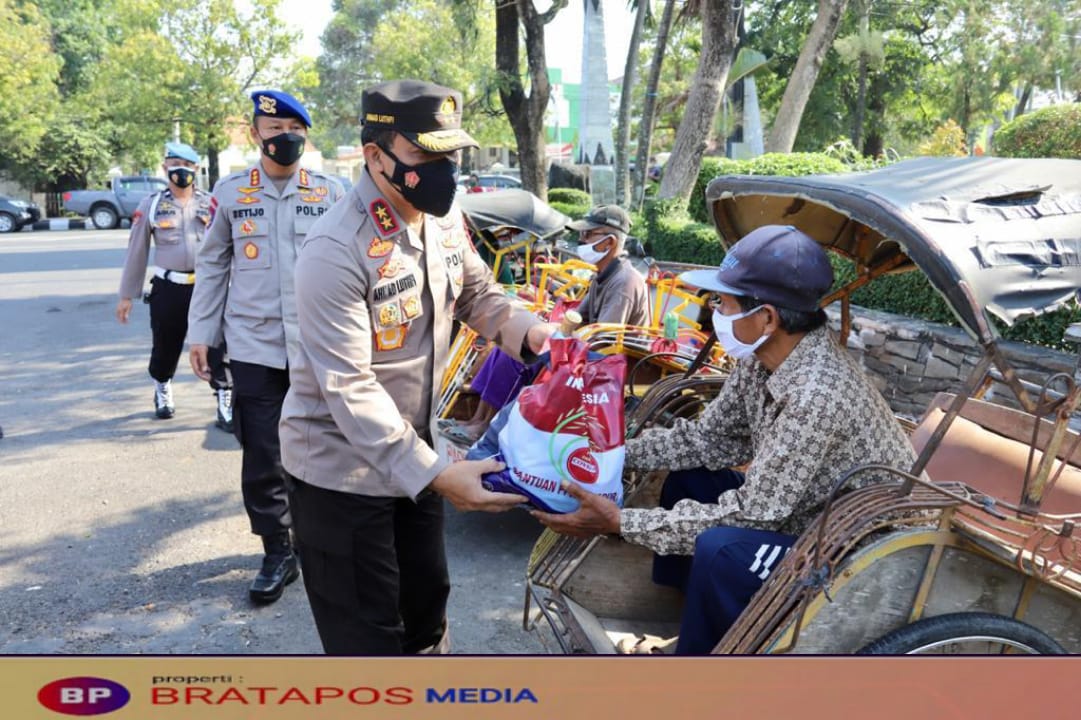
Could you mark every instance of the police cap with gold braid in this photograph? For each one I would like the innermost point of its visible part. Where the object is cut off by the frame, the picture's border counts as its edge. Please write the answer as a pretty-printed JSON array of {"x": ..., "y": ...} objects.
[
  {"x": 426, "y": 114},
  {"x": 275, "y": 103}
]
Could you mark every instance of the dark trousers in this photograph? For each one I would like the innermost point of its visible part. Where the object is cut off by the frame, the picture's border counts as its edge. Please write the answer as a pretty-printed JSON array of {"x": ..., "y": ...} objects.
[
  {"x": 375, "y": 569},
  {"x": 729, "y": 564},
  {"x": 258, "y": 393},
  {"x": 169, "y": 325}
]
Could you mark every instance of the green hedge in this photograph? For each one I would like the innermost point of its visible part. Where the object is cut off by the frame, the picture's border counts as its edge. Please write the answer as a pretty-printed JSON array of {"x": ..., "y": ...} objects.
[
  {"x": 1052, "y": 132},
  {"x": 786, "y": 164},
  {"x": 572, "y": 210},
  {"x": 570, "y": 196}
]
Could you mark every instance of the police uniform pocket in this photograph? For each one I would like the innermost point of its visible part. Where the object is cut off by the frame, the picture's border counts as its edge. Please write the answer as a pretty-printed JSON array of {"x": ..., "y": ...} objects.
[
  {"x": 252, "y": 253},
  {"x": 167, "y": 233},
  {"x": 303, "y": 223},
  {"x": 455, "y": 262}
]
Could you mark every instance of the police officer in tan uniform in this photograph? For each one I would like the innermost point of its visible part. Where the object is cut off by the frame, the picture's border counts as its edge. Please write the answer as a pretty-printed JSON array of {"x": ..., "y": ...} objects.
[
  {"x": 245, "y": 293},
  {"x": 379, "y": 281},
  {"x": 176, "y": 220}
]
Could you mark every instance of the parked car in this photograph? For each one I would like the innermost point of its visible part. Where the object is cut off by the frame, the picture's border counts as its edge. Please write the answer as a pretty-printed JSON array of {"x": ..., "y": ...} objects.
[
  {"x": 490, "y": 183},
  {"x": 106, "y": 208},
  {"x": 14, "y": 214}
]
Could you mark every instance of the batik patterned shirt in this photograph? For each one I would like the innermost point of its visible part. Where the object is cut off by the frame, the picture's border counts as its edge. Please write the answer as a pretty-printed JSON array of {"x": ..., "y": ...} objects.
[{"x": 800, "y": 428}]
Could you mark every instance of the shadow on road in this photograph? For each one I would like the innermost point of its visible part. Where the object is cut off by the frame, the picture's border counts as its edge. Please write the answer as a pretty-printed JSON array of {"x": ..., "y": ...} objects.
[{"x": 111, "y": 591}]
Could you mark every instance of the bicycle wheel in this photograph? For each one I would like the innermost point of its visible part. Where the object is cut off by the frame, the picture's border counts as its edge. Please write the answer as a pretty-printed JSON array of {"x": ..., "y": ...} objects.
[{"x": 975, "y": 633}]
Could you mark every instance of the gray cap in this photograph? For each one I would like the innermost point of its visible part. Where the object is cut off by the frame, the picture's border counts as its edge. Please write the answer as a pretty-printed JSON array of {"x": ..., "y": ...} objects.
[
  {"x": 612, "y": 216},
  {"x": 776, "y": 264}
]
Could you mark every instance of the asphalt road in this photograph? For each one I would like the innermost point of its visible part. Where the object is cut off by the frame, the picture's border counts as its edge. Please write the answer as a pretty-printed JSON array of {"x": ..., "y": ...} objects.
[{"x": 120, "y": 533}]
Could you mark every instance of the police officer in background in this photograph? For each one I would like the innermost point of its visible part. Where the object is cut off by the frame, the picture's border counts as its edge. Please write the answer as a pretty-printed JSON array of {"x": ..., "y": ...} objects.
[
  {"x": 176, "y": 219},
  {"x": 245, "y": 292},
  {"x": 379, "y": 281}
]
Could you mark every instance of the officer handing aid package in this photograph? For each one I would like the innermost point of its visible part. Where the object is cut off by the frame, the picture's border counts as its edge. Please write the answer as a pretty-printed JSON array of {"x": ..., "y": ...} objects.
[
  {"x": 245, "y": 293},
  {"x": 379, "y": 281},
  {"x": 176, "y": 220}
]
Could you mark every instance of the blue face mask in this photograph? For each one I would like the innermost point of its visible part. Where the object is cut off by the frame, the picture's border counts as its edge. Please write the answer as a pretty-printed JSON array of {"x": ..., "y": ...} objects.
[{"x": 722, "y": 326}]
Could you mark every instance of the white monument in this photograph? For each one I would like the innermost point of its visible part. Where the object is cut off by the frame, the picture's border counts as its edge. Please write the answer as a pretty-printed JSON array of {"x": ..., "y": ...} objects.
[{"x": 595, "y": 146}]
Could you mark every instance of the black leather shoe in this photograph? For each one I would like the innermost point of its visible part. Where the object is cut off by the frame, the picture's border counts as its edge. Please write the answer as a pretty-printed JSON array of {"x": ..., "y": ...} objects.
[{"x": 280, "y": 567}]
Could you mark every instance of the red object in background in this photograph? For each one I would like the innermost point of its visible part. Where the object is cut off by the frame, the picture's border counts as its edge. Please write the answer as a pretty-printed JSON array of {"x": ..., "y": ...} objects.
[
  {"x": 561, "y": 307},
  {"x": 663, "y": 345}
]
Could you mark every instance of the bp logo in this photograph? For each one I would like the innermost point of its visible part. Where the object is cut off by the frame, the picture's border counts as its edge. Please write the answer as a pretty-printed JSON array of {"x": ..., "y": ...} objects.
[{"x": 83, "y": 696}]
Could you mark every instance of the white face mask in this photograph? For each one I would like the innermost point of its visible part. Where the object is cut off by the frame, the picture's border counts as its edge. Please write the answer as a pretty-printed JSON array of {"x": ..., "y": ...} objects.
[
  {"x": 722, "y": 326},
  {"x": 590, "y": 254}
]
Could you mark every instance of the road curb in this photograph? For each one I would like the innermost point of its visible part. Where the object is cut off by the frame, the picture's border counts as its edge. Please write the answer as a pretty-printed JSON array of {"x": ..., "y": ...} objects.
[
  {"x": 68, "y": 224},
  {"x": 60, "y": 224}
]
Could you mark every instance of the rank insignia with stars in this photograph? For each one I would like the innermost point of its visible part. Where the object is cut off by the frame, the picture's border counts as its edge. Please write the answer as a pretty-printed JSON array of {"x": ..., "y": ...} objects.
[
  {"x": 384, "y": 218},
  {"x": 254, "y": 179}
]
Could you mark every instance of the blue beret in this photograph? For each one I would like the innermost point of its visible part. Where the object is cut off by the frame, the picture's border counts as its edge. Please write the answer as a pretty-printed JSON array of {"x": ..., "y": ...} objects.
[
  {"x": 182, "y": 151},
  {"x": 275, "y": 103}
]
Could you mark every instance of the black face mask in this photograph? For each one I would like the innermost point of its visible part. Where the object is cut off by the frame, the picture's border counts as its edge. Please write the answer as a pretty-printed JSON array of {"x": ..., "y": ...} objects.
[
  {"x": 284, "y": 149},
  {"x": 429, "y": 187},
  {"x": 182, "y": 177}
]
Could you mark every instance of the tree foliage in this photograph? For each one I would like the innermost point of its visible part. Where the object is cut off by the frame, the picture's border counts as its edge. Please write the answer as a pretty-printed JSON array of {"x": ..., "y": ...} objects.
[
  {"x": 371, "y": 41},
  {"x": 28, "y": 81}
]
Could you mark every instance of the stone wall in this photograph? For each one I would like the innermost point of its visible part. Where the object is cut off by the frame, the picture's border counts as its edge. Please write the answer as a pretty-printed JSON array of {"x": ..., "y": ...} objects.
[{"x": 912, "y": 360}]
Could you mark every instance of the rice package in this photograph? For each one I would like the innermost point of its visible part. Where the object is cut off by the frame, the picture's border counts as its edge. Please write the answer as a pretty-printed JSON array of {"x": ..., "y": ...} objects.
[{"x": 568, "y": 426}]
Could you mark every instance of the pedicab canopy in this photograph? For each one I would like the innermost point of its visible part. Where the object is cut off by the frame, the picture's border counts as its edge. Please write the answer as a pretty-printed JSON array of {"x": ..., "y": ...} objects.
[
  {"x": 512, "y": 208},
  {"x": 993, "y": 235}
]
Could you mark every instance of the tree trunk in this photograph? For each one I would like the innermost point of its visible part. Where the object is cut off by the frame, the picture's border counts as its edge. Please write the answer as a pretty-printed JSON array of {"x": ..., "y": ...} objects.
[
  {"x": 525, "y": 112},
  {"x": 212, "y": 169},
  {"x": 623, "y": 131},
  {"x": 861, "y": 96},
  {"x": 1022, "y": 103},
  {"x": 782, "y": 135},
  {"x": 649, "y": 105},
  {"x": 719, "y": 23}
]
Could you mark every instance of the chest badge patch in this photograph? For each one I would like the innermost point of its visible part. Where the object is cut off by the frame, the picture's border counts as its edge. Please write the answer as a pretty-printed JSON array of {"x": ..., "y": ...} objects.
[
  {"x": 384, "y": 218},
  {"x": 248, "y": 190},
  {"x": 411, "y": 306},
  {"x": 389, "y": 315},
  {"x": 391, "y": 267},
  {"x": 248, "y": 200},
  {"x": 248, "y": 228},
  {"x": 251, "y": 250},
  {"x": 378, "y": 248},
  {"x": 322, "y": 191}
]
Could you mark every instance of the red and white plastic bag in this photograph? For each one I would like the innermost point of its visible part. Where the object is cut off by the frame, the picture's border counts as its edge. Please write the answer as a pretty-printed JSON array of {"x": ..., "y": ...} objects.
[{"x": 567, "y": 426}]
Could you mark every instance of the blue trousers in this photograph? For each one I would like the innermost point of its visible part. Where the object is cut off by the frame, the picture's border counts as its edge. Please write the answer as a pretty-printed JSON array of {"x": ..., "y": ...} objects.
[{"x": 729, "y": 564}]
